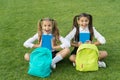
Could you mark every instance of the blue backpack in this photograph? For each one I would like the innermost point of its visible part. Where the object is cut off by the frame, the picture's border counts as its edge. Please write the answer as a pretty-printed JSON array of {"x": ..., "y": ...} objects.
[{"x": 40, "y": 61}]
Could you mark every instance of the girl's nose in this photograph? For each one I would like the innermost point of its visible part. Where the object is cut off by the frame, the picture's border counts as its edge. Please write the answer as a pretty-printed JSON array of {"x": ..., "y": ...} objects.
[
  {"x": 84, "y": 22},
  {"x": 46, "y": 27}
]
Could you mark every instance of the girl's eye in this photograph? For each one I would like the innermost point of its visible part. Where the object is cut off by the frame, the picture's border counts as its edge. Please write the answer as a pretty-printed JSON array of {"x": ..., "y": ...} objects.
[
  {"x": 86, "y": 20},
  {"x": 82, "y": 21},
  {"x": 45, "y": 25}
]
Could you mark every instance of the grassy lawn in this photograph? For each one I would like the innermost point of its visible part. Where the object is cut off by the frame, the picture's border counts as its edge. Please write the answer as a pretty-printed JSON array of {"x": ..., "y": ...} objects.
[{"x": 18, "y": 22}]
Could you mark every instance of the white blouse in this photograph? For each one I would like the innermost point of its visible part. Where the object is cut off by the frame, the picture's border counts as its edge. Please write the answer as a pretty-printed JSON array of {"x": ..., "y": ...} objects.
[
  {"x": 29, "y": 43},
  {"x": 97, "y": 35}
]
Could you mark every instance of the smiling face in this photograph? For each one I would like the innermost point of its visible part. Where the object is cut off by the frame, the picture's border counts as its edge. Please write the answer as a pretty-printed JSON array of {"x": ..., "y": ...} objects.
[
  {"x": 47, "y": 27},
  {"x": 83, "y": 22}
]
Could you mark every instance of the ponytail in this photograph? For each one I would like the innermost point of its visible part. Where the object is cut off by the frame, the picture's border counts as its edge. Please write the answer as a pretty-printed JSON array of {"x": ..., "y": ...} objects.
[
  {"x": 39, "y": 31},
  {"x": 55, "y": 30},
  {"x": 91, "y": 27},
  {"x": 75, "y": 24}
]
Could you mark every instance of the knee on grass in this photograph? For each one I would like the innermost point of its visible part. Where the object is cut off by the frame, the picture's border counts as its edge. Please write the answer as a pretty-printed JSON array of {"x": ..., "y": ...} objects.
[{"x": 27, "y": 56}]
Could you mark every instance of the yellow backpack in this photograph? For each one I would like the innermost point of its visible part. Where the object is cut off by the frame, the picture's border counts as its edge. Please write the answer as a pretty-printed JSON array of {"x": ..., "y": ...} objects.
[{"x": 87, "y": 58}]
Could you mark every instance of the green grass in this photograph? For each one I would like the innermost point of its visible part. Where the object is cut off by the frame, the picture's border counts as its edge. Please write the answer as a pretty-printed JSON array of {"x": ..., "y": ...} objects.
[{"x": 18, "y": 20}]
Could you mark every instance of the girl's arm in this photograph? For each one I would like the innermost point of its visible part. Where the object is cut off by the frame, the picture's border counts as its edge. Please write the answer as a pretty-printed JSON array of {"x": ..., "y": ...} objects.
[
  {"x": 54, "y": 44},
  {"x": 29, "y": 43},
  {"x": 64, "y": 43},
  {"x": 70, "y": 36},
  {"x": 99, "y": 37},
  {"x": 36, "y": 45},
  {"x": 97, "y": 43},
  {"x": 76, "y": 44}
]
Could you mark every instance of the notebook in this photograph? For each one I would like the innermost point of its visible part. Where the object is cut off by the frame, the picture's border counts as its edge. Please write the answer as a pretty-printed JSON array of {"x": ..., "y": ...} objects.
[
  {"x": 46, "y": 41},
  {"x": 83, "y": 37}
]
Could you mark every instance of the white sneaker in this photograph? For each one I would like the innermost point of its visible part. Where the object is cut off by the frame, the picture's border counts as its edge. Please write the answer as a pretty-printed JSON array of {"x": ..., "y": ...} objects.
[
  {"x": 101, "y": 64},
  {"x": 73, "y": 64},
  {"x": 53, "y": 66}
]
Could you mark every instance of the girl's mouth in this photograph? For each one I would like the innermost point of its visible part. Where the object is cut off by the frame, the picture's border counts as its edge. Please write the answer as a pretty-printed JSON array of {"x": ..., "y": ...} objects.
[{"x": 47, "y": 31}]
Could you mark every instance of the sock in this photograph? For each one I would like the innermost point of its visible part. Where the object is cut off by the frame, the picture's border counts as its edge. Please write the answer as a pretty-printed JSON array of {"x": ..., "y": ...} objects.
[{"x": 57, "y": 59}]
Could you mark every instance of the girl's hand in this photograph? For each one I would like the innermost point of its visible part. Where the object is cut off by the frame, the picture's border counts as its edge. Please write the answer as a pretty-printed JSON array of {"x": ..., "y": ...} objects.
[
  {"x": 88, "y": 42},
  {"x": 76, "y": 44},
  {"x": 79, "y": 43},
  {"x": 56, "y": 47},
  {"x": 36, "y": 45}
]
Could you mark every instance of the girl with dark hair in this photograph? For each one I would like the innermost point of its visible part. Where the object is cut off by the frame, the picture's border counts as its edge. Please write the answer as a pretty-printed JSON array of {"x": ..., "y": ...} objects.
[{"x": 82, "y": 32}]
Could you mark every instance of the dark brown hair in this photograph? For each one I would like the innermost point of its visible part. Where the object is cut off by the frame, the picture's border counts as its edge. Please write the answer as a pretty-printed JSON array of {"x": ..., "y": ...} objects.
[{"x": 90, "y": 25}]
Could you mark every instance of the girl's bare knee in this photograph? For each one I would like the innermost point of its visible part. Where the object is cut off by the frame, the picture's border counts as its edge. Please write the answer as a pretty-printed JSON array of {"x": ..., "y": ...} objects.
[
  {"x": 72, "y": 58},
  {"x": 67, "y": 50},
  {"x": 103, "y": 54},
  {"x": 27, "y": 56},
  {"x": 64, "y": 52}
]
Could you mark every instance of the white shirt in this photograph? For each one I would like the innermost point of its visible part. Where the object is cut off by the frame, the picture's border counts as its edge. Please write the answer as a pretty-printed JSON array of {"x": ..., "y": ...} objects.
[
  {"x": 97, "y": 35},
  {"x": 29, "y": 43}
]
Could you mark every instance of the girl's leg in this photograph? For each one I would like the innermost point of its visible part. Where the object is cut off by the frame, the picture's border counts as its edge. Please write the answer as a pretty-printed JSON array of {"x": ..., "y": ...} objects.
[
  {"x": 102, "y": 55},
  {"x": 64, "y": 52},
  {"x": 59, "y": 56},
  {"x": 27, "y": 56},
  {"x": 73, "y": 55},
  {"x": 72, "y": 58}
]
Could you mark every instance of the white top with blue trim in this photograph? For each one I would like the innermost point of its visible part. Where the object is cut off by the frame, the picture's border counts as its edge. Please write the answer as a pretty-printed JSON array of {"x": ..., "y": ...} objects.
[
  {"x": 97, "y": 35},
  {"x": 29, "y": 43}
]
